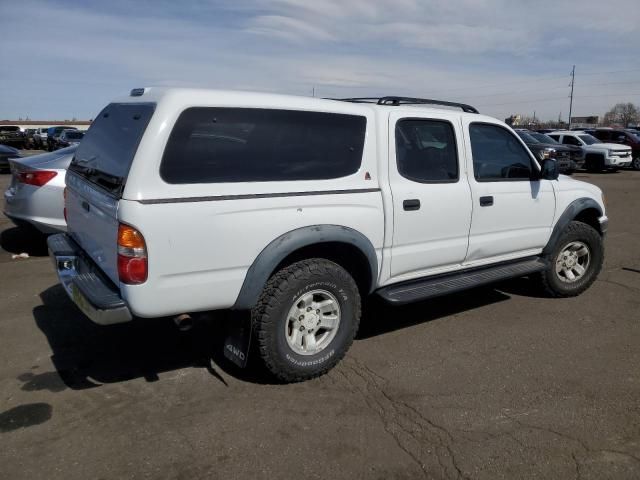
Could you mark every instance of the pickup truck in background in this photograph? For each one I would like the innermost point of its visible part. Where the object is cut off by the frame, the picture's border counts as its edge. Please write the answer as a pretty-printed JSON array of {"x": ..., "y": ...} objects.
[
  {"x": 598, "y": 155},
  {"x": 53, "y": 134},
  {"x": 12, "y": 136}
]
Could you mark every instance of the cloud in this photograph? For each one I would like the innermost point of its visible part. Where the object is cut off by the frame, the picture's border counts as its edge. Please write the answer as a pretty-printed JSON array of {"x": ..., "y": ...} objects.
[
  {"x": 289, "y": 28},
  {"x": 501, "y": 54}
]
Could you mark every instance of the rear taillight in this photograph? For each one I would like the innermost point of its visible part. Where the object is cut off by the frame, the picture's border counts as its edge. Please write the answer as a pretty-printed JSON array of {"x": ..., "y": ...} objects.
[
  {"x": 36, "y": 178},
  {"x": 132, "y": 256}
]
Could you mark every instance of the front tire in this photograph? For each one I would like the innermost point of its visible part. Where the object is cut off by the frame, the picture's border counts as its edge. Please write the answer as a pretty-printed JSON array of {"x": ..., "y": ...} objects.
[
  {"x": 305, "y": 319},
  {"x": 635, "y": 163},
  {"x": 575, "y": 261}
]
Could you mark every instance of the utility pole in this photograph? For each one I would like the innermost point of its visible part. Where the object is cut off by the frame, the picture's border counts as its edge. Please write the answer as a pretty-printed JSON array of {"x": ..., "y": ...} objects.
[
  {"x": 313, "y": 91},
  {"x": 573, "y": 78}
]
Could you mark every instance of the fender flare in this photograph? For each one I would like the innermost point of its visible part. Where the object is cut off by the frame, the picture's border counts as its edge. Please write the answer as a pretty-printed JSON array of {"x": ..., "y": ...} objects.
[
  {"x": 274, "y": 253},
  {"x": 571, "y": 212}
]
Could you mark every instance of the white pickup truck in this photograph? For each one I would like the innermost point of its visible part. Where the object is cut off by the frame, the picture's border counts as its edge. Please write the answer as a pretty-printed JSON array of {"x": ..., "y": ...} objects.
[
  {"x": 293, "y": 209},
  {"x": 598, "y": 155}
]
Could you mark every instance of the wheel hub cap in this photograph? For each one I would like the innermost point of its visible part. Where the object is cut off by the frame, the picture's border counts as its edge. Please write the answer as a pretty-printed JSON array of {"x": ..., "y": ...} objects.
[
  {"x": 312, "y": 322},
  {"x": 573, "y": 261},
  {"x": 309, "y": 321}
]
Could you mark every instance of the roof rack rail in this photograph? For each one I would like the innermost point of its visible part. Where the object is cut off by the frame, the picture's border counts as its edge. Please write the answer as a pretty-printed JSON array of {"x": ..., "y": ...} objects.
[{"x": 395, "y": 101}]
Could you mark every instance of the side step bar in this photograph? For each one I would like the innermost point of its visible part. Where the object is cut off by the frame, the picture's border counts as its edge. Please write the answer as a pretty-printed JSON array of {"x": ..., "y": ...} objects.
[{"x": 416, "y": 290}]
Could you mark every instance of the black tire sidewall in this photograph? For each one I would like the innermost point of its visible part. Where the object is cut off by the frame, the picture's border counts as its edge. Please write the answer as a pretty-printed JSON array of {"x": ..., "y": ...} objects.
[
  {"x": 577, "y": 232},
  {"x": 283, "y": 361}
]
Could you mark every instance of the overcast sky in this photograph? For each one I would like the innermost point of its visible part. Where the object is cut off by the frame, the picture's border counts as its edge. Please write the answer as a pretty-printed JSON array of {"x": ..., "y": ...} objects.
[{"x": 63, "y": 59}]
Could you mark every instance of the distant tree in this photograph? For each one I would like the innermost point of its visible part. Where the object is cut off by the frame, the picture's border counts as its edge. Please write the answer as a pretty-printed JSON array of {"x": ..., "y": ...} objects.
[{"x": 623, "y": 114}]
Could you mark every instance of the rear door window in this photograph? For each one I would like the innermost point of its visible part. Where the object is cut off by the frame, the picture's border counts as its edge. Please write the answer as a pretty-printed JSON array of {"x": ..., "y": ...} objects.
[
  {"x": 225, "y": 145},
  {"x": 426, "y": 151},
  {"x": 107, "y": 149}
]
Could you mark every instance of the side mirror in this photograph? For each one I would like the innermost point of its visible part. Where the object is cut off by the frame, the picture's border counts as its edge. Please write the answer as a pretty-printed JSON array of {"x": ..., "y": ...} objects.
[{"x": 549, "y": 169}]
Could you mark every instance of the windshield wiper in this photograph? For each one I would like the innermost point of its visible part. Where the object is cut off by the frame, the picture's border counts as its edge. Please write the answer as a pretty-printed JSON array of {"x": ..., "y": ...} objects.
[{"x": 110, "y": 182}]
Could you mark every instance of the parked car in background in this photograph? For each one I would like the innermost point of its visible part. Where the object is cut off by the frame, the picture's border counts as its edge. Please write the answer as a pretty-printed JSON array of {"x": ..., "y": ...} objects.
[
  {"x": 29, "y": 142},
  {"x": 68, "y": 138},
  {"x": 52, "y": 136},
  {"x": 40, "y": 138},
  {"x": 621, "y": 136},
  {"x": 35, "y": 196},
  {"x": 598, "y": 156},
  {"x": 544, "y": 150},
  {"x": 6, "y": 153},
  {"x": 575, "y": 153},
  {"x": 12, "y": 136},
  {"x": 545, "y": 130}
]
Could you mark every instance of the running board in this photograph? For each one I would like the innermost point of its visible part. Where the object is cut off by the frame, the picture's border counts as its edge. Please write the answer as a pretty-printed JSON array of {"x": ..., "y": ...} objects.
[{"x": 430, "y": 287}]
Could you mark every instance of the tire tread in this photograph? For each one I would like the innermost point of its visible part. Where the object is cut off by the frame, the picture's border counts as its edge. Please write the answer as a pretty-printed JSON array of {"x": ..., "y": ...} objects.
[
  {"x": 575, "y": 227},
  {"x": 263, "y": 319}
]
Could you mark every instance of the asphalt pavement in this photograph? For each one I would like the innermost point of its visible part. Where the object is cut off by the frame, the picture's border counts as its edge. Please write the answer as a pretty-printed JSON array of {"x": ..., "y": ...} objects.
[{"x": 487, "y": 384}]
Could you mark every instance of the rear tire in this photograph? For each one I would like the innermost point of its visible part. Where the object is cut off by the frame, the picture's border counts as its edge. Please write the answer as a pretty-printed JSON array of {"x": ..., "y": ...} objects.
[
  {"x": 305, "y": 319},
  {"x": 575, "y": 261}
]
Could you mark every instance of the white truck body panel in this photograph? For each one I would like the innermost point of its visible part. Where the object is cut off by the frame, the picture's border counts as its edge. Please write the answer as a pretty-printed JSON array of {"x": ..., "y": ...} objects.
[{"x": 202, "y": 238}]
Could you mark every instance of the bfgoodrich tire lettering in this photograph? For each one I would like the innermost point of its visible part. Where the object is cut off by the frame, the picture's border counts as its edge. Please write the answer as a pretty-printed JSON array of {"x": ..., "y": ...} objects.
[
  {"x": 319, "y": 278},
  {"x": 579, "y": 245}
]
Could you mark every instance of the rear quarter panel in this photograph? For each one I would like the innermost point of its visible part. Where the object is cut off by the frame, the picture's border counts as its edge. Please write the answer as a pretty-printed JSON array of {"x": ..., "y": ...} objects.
[{"x": 199, "y": 252}]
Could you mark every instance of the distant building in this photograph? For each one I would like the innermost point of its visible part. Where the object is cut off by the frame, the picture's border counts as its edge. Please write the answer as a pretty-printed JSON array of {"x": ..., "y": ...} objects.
[
  {"x": 23, "y": 124},
  {"x": 586, "y": 122}
]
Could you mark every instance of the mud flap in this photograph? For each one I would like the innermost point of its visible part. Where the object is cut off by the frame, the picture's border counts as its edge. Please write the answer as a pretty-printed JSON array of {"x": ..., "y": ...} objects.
[{"x": 238, "y": 341}]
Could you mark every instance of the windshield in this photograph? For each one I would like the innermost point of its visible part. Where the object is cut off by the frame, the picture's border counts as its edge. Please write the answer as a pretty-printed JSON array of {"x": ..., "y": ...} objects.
[
  {"x": 108, "y": 148},
  {"x": 9, "y": 129},
  {"x": 526, "y": 137},
  {"x": 74, "y": 135},
  {"x": 542, "y": 138},
  {"x": 588, "y": 139}
]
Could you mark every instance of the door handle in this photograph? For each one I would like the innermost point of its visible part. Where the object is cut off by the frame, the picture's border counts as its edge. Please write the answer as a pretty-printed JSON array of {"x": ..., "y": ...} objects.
[
  {"x": 486, "y": 201},
  {"x": 413, "y": 204}
]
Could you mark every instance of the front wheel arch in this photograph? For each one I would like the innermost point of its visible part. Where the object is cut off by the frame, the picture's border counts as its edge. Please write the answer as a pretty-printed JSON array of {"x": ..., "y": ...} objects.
[{"x": 585, "y": 210}]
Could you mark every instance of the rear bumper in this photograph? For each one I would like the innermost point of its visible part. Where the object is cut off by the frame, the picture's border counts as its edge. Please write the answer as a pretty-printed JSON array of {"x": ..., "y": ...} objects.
[
  {"x": 92, "y": 292},
  {"x": 41, "y": 226}
]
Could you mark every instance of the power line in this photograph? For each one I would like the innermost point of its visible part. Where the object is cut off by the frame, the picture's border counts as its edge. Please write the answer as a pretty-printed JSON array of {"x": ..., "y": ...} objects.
[
  {"x": 522, "y": 101},
  {"x": 548, "y": 99},
  {"x": 611, "y": 71},
  {"x": 610, "y": 83},
  {"x": 543, "y": 78}
]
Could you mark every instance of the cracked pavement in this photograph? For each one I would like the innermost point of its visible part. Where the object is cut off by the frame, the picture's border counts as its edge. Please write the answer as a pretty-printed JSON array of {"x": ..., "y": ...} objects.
[{"x": 488, "y": 384}]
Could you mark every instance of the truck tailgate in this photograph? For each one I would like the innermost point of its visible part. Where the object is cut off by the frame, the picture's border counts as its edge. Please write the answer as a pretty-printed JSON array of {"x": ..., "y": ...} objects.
[{"x": 92, "y": 222}]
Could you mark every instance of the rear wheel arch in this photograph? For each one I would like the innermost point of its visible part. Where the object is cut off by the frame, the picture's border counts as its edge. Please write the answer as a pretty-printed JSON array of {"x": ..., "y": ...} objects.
[{"x": 344, "y": 246}]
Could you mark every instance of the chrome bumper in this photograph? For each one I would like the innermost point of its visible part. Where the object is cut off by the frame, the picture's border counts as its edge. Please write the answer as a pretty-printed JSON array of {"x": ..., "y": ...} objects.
[{"x": 94, "y": 294}]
